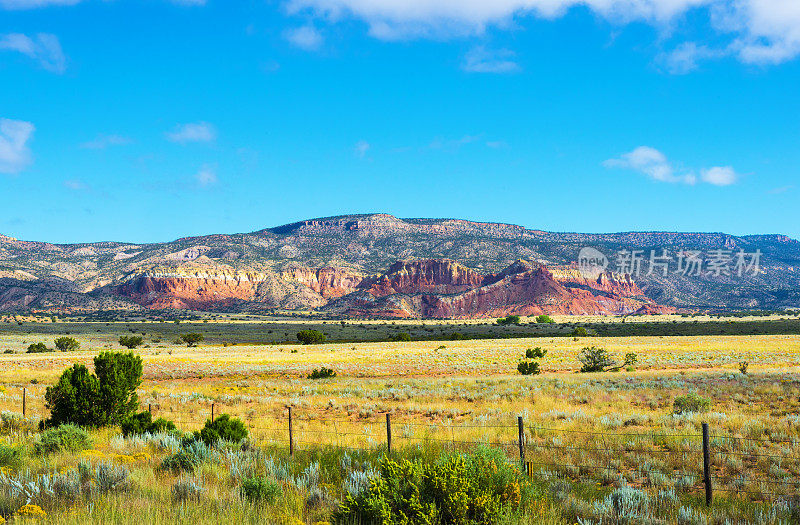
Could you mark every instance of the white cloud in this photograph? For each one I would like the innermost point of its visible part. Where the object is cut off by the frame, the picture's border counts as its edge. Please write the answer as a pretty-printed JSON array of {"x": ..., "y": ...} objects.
[
  {"x": 719, "y": 176},
  {"x": 361, "y": 148},
  {"x": 43, "y": 47},
  {"x": 305, "y": 37},
  {"x": 193, "y": 132},
  {"x": 653, "y": 163},
  {"x": 14, "y": 152},
  {"x": 482, "y": 60},
  {"x": 687, "y": 56},
  {"x": 104, "y": 141},
  {"x": 207, "y": 176},
  {"x": 757, "y": 31},
  {"x": 646, "y": 160},
  {"x": 31, "y": 4}
]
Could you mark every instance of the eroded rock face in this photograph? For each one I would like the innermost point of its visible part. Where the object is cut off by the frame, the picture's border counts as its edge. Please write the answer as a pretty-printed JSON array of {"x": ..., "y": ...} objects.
[
  {"x": 438, "y": 276},
  {"x": 445, "y": 289},
  {"x": 329, "y": 282},
  {"x": 191, "y": 288}
]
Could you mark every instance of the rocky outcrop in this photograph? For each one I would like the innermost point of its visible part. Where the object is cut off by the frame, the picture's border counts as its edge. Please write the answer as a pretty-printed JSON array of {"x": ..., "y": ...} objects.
[
  {"x": 329, "y": 282},
  {"x": 444, "y": 289},
  {"x": 437, "y": 276},
  {"x": 190, "y": 288},
  {"x": 445, "y": 265}
]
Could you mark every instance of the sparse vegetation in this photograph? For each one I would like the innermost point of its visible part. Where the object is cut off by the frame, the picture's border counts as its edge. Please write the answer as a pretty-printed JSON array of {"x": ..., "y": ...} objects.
[
  {"x": 37, "y": 348},
  {"x": 691, "y": 403},
  {"x": 131, "y": 341},
  {"x": 67, "y": 344},
  {"x": 322, "y": 373},
  {"x": 192, "y": 339},
  {"x": 311, "y": 337}
]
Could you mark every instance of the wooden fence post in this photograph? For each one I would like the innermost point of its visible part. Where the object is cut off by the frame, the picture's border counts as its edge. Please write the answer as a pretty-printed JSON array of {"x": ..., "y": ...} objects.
[
  {"x": 521, "y": 431},
  {"x": 150, "y": 408},
  {"x": 707, "y": 466},
  {"x": 291, "y": 436},
  {"x": 24, "y": 402},
  {"x": 389, "y": 432},
  {"x": 212, "y": 412}
]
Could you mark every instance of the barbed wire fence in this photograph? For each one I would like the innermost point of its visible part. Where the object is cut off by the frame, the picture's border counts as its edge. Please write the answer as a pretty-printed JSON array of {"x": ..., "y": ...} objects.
[{"x": 701, "y": 463}]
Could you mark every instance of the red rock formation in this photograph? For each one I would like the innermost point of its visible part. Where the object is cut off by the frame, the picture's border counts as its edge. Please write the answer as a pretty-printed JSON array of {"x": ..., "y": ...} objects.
[
  {"x": 329, "y": 282},
  {"x": 444, "y": 289},
  {"x": 438, "y": 276},
  {"x": 196, "y": 289}
]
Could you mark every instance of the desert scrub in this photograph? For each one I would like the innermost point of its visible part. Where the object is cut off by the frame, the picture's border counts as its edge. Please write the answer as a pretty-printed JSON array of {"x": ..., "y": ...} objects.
[
  {"x": 479, "y": 487},
  {"x": 63, "y": 438},
  {"x": 691, "y": 403},
  {"x": 10, "y": 456},
  {"x": 186, "y": 489},
  {"x": 259, "y": 489}
]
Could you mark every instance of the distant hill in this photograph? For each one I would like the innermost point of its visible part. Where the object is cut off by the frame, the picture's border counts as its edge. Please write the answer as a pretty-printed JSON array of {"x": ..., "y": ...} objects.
[{"x": 385, "y": 266}]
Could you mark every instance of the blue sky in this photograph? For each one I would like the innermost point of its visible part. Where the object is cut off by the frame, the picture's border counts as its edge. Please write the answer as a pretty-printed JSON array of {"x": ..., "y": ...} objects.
[{"x": 151, "y": 120}]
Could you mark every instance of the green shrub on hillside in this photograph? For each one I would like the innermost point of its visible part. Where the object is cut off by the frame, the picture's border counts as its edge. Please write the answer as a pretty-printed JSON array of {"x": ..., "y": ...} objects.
[
  {"x": 107, "y": 397},
  {"x": 477, "y": 488},
  {"x": 143, "y": 423},
  {"x": 511, "y": 319},
  {"x": 691, "y": 403},
  {"x": 224, "y": 428},
  {"x": 63, "y": 438},
  {"x": 310, "y": 337},
  {"x": 322, "y": 373},
  {"x": 38, "y": 348},
  {"x": 259, "y": 489},
  {"x": 67, "y": 344},
  {"x": 131, "y": 341}
]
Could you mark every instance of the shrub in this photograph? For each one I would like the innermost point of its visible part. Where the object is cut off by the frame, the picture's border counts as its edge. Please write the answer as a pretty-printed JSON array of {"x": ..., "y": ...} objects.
[
  {"x": 112, "y": 478},
  {"x": 67, "y": 344},
  {"x": 511, "y": 319},
  {"x": 192, "y": 339},
  {"x": 580, "y": 332},
  {"x": 402, "y": 336},
  {"x": 481, "y": 487},
  {"x": 595, "y": 359},
  {"x": 143, "y": 422},
  {"x": 130, "y": 341},
  {"x": 10, "y": 456},
  {"x": 180, "y": 461},
  {"x": 322, "y": 373},
  {"x": 260, "y": 490},
  {"x": 691, "y": 403},
  {"x": 527, "y": 368},
  {"x": 544, "y": 319},
  {"x": 108, "y": 397},
  {"x": 64, "y": 438},
  {"x": 38, "y": 348},
  {"x": 743, "y": 366},
  {"x": 187, "y": 489},
  {"x": 225, "y": 428},
  {"x": 310, "y": 337},
  {"x": 535, "y": 353}
]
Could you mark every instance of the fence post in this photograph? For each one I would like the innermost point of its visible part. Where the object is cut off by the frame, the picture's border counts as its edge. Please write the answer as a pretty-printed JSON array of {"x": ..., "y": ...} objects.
[
  {"x": 291, "y": 436},
  {"x": 707, "y": 466},
  {"x": 150, "y": 408},
  {"x": 24, "y": 402},
  {"x": 389, "y": 432},
  {"x": 521, "y": 430},
  {"x": 212, "y": 412}
]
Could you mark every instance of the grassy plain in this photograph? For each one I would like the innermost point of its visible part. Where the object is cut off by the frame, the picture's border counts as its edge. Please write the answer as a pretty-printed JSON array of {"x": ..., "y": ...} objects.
[{"x": 591, "y": 432}]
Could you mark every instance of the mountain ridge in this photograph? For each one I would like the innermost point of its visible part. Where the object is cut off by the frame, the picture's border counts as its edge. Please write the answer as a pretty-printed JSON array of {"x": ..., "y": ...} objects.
[{"x": 311, "y": 263}]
